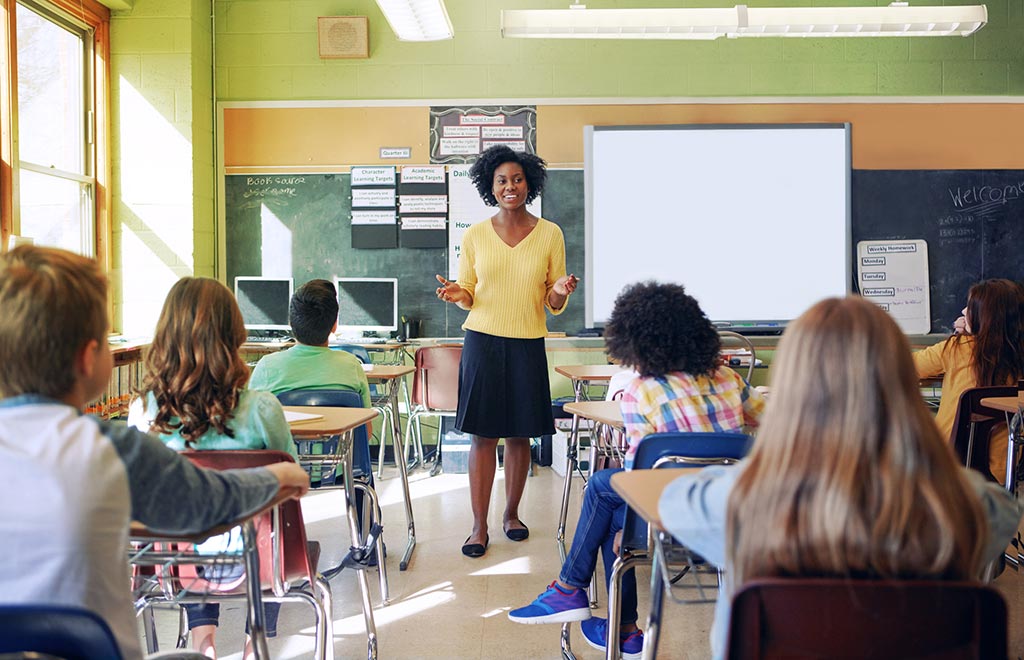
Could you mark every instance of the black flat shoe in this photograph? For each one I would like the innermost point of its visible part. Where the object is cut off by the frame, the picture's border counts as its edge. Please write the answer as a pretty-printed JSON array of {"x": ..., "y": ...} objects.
[
  {"x": 517, "y": 533},
  {"x": 476, "y": 549}
]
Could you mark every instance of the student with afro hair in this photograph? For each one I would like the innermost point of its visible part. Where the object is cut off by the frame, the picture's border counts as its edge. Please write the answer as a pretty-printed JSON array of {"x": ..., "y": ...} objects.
[
  {"x": 512, "y": 267},
  {"x": 662, "y": 333}
]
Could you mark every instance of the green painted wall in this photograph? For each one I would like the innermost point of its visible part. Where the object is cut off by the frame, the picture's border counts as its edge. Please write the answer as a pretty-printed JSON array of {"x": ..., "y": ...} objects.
[{"x": 267, "y": 50}]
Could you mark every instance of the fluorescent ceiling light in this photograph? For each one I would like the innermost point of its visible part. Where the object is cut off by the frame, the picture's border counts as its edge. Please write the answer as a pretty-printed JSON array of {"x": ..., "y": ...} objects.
[
  {"x": 896, "y": 20},
  {"x": 418, "y": 20}
]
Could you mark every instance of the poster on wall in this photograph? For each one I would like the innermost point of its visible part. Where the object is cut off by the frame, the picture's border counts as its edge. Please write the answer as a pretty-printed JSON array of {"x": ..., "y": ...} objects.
[
  {"x": 460, "y": 134},
  {"x": 423, "y": 206},
  {"x": 465, "y": 209},
  {"x": 894, "y": 275},
  {"x": 374, "y": 221}
]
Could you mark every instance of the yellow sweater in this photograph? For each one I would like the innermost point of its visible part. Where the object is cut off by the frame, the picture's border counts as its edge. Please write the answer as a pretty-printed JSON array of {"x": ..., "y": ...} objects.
[
  {"x": 510, "y": 285},
  {"x": 952, "y": 361}
]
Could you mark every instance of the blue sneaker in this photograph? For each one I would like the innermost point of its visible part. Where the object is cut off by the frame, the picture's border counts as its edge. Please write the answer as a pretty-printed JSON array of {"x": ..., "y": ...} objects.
[
  {"x": 631, "y": 644},
  {"x": 555, "y": 605}
]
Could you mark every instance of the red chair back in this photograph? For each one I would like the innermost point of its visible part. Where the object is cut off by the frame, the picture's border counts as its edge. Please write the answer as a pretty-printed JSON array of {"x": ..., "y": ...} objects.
[
  {"x": 294, "y": 560},
  {"x": 984, "y": 421},
  {"x": 841, "y": 618},
  {"x": 435, "y": 383}
]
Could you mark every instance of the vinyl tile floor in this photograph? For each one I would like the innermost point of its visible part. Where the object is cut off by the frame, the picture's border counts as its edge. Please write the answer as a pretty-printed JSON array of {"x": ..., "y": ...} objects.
[{"x": 450, "y": 606}]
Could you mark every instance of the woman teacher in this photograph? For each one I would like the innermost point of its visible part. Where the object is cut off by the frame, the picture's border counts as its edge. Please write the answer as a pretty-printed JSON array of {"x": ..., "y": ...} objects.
[{"x": 511, "y": 267}]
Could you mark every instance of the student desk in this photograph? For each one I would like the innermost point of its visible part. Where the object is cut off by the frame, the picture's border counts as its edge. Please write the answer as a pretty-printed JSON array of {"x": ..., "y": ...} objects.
[
  {"x": 342, "y": 422},
  {"x": 146, "y": 555},
  {"x": 394, "y": 377},
  {"x": 642, "y": 489},
  {"x": 581, "y": 375}
]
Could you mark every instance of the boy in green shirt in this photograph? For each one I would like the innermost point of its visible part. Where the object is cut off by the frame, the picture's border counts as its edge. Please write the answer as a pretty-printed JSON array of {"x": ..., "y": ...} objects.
[{"x": 310, "y": 364}]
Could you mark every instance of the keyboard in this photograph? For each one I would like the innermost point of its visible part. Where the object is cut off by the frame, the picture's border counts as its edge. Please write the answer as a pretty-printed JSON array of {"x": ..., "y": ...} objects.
[{"x": 267, "y": 340}]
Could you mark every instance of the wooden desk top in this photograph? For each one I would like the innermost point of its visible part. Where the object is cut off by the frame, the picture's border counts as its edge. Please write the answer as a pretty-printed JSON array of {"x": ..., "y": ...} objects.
[
  {"x": 589, "y": 372},
  {"x": 643, "y": 488},
  {"x": 605, "y": 412},
  {"x": 333, "y": 420},
  {"x": 141, "y": 534},
  {"x": 389, "y": 371},
  {"x": 1010, "y": 404}
]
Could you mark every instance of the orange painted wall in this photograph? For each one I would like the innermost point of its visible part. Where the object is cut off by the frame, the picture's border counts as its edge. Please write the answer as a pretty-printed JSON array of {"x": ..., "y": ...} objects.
[{"x": 884, "y": 135}]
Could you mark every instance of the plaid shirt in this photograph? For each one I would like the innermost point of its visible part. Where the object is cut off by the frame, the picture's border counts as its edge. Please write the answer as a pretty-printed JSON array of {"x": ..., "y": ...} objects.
[{"x": 678, "y": 401}]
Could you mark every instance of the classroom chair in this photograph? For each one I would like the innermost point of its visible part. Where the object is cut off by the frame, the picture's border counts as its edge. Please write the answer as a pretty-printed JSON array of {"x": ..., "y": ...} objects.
[
  {"x": 774, "y": 618},
  {"x": 435, "y": 391},
  {"x": 288, "y": 564},
  {"x": 362, "y": 474},
  {"x": 72, "y": 633},
  {"x": 378, "y": 401},
  {"x": 974, "y": 424},
  {"x": 658, "y": 450}
]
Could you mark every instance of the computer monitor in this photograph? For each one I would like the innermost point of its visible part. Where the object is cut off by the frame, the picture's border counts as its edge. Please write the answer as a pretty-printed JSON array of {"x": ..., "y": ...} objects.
[
  {"x": 264, "y": 302},
  {"x": 367, "y": 304}
]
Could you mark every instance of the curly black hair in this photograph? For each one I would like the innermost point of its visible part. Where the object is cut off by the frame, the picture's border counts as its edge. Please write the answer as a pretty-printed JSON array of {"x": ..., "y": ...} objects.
[
  {"x": 658, "y": 328},
  {"x": 482, "y": 172},
  {"x": 313, "y": 311}
]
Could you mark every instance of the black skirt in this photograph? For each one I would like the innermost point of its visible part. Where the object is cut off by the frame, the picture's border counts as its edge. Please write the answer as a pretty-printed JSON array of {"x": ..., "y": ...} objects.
[{"x": 503, "y": 388}]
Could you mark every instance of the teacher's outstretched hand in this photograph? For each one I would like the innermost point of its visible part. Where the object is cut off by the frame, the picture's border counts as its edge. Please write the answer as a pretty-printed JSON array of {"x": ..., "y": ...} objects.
[{"x": 451, "y": 292}]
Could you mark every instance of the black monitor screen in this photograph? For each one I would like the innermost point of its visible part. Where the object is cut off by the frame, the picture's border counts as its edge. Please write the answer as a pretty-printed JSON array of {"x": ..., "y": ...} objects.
[
  {"x": 367, "y": 304},
  {"x": 264, "y": 302}
]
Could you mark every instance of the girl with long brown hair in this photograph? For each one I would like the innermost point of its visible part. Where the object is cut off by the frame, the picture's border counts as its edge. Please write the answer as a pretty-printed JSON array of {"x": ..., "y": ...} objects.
[
  {"x": 194, "y": 396},
  {"x": 848, "y": 476},
  {"x": 987, "y": 348}
]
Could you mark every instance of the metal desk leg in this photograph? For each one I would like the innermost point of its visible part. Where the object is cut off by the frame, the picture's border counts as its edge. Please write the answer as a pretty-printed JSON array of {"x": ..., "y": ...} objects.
[
  {"x": 570, "y": 467},
  {"x": 353, "y": 530},
  {"x": 257, "y": 617},
  {"x": 1011, "y": 451},
  {"x": 399, "y": 446},
  {"x": 651, "y": 636}
]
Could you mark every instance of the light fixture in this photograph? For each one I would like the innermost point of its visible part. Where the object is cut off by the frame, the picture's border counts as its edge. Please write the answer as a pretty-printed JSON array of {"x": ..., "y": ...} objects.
[
  {"x": 896, "y": 20},
  {"x": 417, "y": 20}
]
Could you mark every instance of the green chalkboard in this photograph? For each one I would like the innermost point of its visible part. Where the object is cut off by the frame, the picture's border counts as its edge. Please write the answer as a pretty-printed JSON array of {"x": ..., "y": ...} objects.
[{"x": 299, "y": 225}]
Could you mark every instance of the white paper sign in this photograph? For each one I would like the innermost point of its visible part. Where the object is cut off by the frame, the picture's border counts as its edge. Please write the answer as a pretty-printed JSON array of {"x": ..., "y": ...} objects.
[
  {"x": 502, "y": 132},
  {"x": 514, "y": 145},
  {"x": 423, "y": 174},
  {"x": 459, "y": 146},
  {"x": 460, "y": 131},
  {"x": 476, "y": 120},
  {"x": 465, "y": 208},
  {"x": 423, "y": 203},
  {"x": 373, "y": 176},
  {"x": 423, "y": 223},
  {"x": 373, "y": 217},
  {"x": 373, "y": 197},
  {"x": 894, "y": 275}
]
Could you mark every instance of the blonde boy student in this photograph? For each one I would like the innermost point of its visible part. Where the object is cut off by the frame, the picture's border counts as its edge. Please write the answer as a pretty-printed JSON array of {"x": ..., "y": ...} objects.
[{"x": 70, "y": 483}]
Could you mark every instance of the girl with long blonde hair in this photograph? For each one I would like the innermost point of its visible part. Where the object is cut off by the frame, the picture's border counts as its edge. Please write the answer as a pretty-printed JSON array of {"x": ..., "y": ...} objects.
[
  {"x": 848, "y": 477},
  {"x": 194, "y": 397}
]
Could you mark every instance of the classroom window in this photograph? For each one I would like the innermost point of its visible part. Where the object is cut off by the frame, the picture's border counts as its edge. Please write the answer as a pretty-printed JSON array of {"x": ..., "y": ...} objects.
[{"x": 52, "y": 195}]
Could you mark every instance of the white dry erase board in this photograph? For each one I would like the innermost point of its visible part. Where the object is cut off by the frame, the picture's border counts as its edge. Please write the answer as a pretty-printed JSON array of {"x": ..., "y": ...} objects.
[
  {"x": 894, "y": 274},
  {"x": 754, "y": 220}
]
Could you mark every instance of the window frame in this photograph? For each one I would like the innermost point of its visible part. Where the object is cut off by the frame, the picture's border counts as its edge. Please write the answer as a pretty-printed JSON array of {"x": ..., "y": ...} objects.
[{"x": 94, "y": 19}]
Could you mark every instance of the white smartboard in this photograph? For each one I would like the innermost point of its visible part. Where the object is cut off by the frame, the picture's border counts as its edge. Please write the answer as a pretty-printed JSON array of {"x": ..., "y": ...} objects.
[{"x": 754, "y": 220}]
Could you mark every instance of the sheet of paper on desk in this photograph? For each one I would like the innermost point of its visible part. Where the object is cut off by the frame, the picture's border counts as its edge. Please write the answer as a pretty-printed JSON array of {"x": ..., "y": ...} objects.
[
  {"x": 294, "y": 417},
  {"x": 368, "y": 366}
]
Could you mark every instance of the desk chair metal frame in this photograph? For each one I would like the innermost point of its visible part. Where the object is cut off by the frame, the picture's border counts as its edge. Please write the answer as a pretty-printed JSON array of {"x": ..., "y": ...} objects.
[
  {"x": 286, "y": 569},
  {"x": 379, "y": 401},
  {"x": 732, "y": 339},
  {"x": 866, "y": 619},
  {"x": 329, "y": 465},
  {"x": 435, "y": 391},
  {"x": 638, "y": 546}
]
